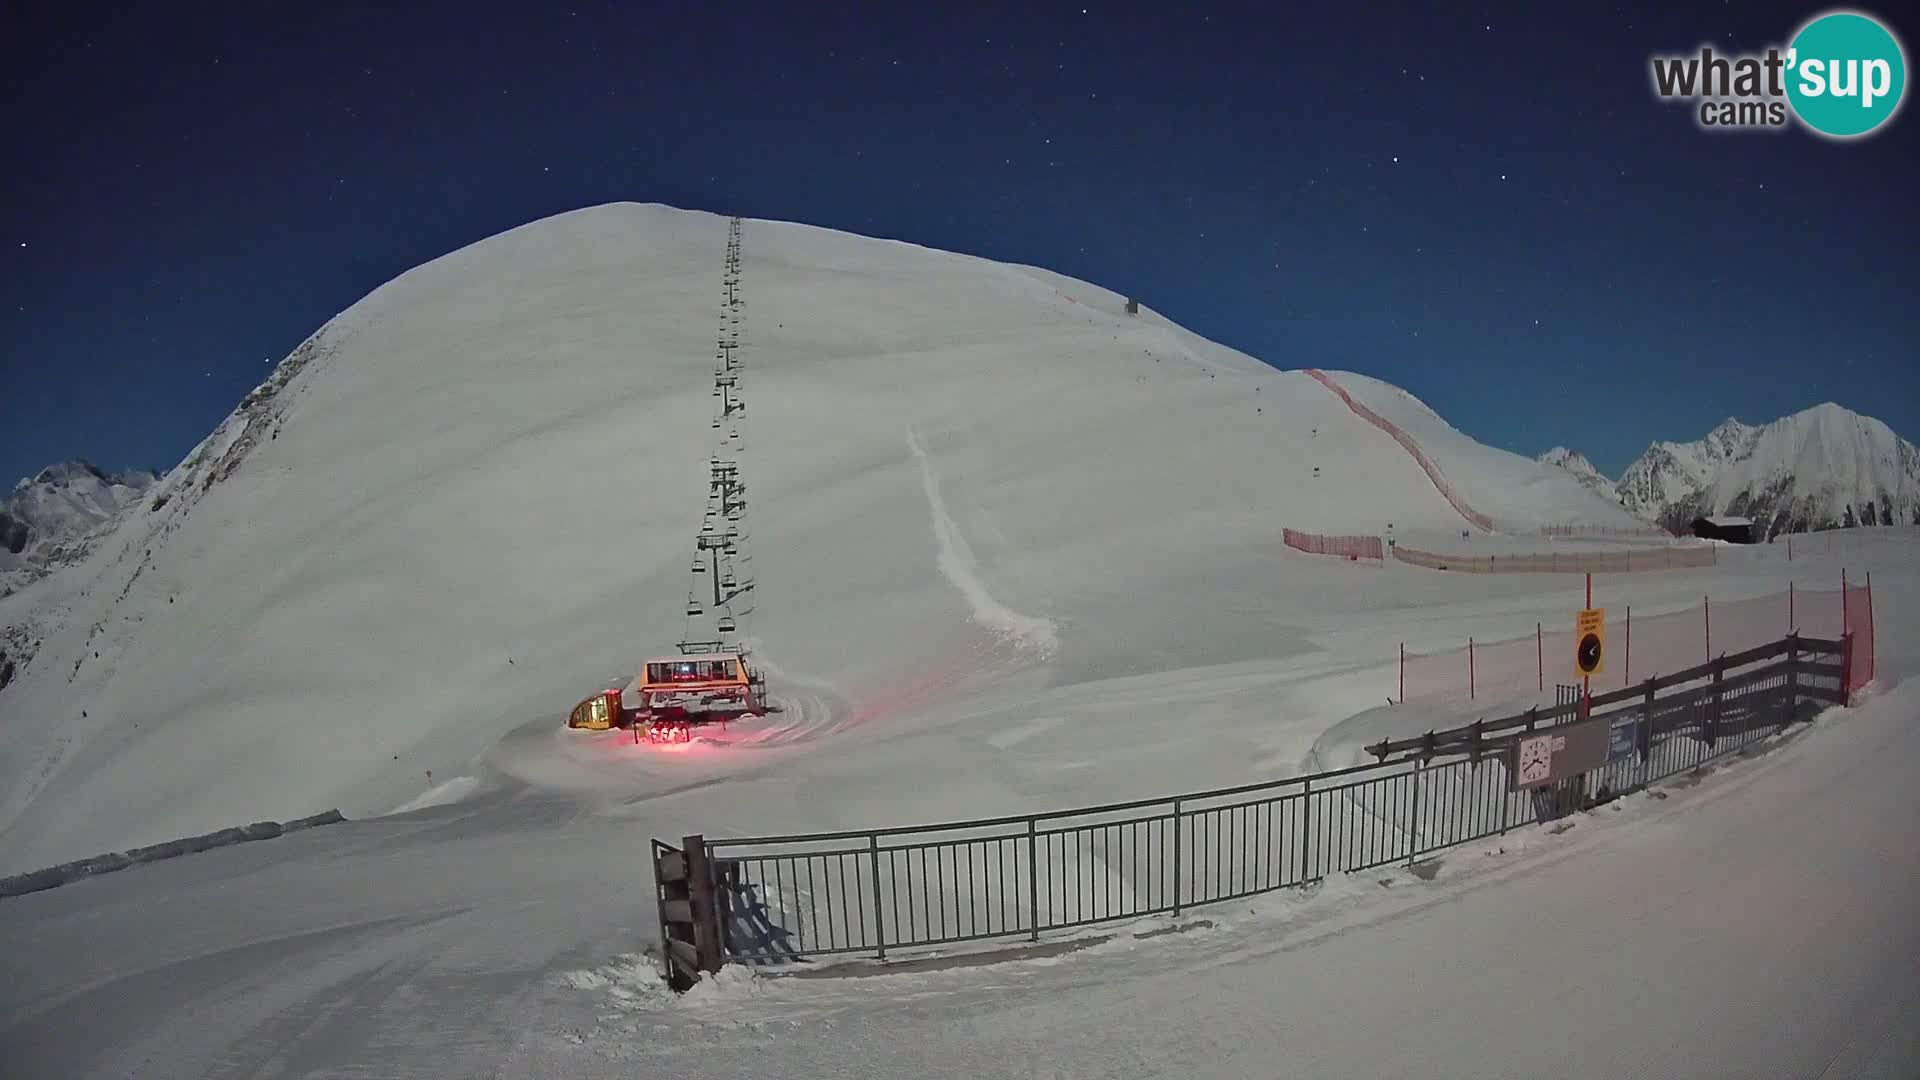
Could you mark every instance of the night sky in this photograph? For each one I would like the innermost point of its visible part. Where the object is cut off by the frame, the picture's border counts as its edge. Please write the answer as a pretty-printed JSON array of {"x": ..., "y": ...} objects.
[{"x": 1486, "y": 206}]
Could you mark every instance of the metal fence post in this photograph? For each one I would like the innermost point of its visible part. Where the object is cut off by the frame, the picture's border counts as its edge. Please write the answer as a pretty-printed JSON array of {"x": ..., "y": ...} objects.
[
  {"x": 879, "y": 921},
  {"x": 1176, "y": 856},
  {"x": 1033, "y": 880},
  {"x": 1506, "y": 791},
  {"x": 1719, "y": 701},
  {"x": 1413, "y": 817},
  {"x": 1793, "y": 679},
  {"x": 1646, "y": 739},
  {"x": 706, "y": 915},
  {"x": 1306, "y": 831}
]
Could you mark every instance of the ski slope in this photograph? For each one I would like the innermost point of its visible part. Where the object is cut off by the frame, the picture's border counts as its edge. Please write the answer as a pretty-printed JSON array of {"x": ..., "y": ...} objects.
[
  {"x": 1517, "y": 493},
  {"x": 1012, "y": 549}
]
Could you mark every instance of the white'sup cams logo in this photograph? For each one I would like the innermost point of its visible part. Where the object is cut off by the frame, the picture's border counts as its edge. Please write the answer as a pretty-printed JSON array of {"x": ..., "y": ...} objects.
[{"x": 1842, "y": 76}]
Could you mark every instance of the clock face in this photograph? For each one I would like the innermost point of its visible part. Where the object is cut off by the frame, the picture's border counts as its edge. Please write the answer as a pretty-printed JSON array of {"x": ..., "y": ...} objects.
[
  {"x": 1589, "y": 654},
  {"x": 1536, "y": 758}
]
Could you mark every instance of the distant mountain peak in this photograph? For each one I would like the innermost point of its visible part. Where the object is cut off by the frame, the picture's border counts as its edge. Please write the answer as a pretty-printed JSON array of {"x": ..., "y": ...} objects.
[
  {"x": 1822, "y": 467},
  {"x": 47, "y": 517},
  {"x": 1582, "y": 469}
]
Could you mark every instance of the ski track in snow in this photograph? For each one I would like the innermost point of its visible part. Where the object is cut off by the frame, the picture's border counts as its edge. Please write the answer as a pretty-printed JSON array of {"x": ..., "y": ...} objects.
[{"x": 958, "y": 566}]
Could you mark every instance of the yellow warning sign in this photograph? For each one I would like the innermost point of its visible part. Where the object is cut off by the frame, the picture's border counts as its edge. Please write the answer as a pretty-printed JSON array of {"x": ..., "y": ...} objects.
[{"x": 1590, "y": 641}]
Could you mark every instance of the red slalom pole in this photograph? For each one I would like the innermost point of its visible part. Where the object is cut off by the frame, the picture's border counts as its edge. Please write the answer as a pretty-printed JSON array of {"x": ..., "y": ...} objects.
[
  {"x": 1706, "y": 610},
  {"x": 1403, "y": 673},
  {"x": 1791, "y": 621},
  {"x": 1471, "y": 692},
  {"x": 1539, "y": 658}
]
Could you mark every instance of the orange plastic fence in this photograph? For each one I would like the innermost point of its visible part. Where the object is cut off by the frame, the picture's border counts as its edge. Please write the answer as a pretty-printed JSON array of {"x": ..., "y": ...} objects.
[
  {"x": 1478, "y": 519},
  {"x": 1629, "y": 561},
  {"x": 1353, "y": 547},
  {"x": 1857, "y": 616},
  {"x": 1622, "y": 532},
  {"x": 1640, "y": 647}
]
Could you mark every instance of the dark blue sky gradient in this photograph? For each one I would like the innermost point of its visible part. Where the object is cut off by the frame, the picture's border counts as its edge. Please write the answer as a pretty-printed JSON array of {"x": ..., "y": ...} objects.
[{"x": 196, "y": 190}]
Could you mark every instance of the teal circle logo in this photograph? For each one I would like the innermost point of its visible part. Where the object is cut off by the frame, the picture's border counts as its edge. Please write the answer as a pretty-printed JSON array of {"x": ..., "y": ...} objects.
[{"x": 1846, "y": 74}]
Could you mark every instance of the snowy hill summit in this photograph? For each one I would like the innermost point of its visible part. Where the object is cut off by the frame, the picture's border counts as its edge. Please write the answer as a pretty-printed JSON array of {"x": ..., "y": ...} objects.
[
  {"x": 1583, "y": 470},
  {"x": 960, "y": 474},
  {"x": 46, "y": 519},
  {"x": 1821, "y": 468}
]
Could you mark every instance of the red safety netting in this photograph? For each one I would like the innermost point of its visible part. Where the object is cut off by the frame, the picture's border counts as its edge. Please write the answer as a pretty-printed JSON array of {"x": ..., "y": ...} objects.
[
  {"x": 1857, "y": 616},
  {"x": 1406, "y": 442},
  {"x": 1353, "y": 547},
  {"x": 1640, "y": 647}
]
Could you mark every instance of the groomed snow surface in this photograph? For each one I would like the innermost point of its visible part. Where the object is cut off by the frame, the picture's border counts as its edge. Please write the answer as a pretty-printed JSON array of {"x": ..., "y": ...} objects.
[{"x": 1012, "y": 550}]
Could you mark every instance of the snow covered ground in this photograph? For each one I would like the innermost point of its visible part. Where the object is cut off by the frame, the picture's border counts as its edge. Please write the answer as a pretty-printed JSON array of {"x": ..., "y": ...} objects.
[
  {"x": 1756, "y": 924},
  {"x": 1012, "y": 549}
]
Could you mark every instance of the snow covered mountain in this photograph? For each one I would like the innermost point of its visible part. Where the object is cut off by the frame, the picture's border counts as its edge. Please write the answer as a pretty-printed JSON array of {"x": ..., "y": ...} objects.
[
  {"x": 1583, "y": 470},
  {"x": 971, "y": 486},
  {"x": 1824, "y": 467},
  {"x": 48, "y": 517}
]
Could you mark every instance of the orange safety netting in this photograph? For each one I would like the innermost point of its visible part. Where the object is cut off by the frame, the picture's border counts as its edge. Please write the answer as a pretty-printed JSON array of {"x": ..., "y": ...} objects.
[
  {"x": 1640, "y": 647},
  {"x": 1353, "y": 547}
]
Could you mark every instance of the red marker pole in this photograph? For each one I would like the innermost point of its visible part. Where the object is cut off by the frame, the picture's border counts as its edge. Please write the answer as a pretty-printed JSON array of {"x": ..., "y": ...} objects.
[
  {"x": 1403, "y": 673},
  {"x": 1627, "y": 678},
  {"x": 1471, "y": 692},
  {"x": 1706, "y": 611},
  {"x": 1586, "y": 681},
  {"x": 1539, "y": 657}
]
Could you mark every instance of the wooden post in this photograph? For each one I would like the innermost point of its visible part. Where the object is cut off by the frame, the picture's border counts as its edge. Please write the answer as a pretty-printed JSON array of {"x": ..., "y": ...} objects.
[
  {"x": 1871, "y": 644},
  {"x": 706, "y": 914},
  {"x": 1846, "y": 669},
  {"x": 1846, "y": 638}
]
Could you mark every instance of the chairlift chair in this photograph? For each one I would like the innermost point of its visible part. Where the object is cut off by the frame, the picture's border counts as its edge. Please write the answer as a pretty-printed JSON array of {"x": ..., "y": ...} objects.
[
  {"x": 699, "y": 567},
  {"x": 693, "y": 606},
  {"x": 726, "y": 624}
]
